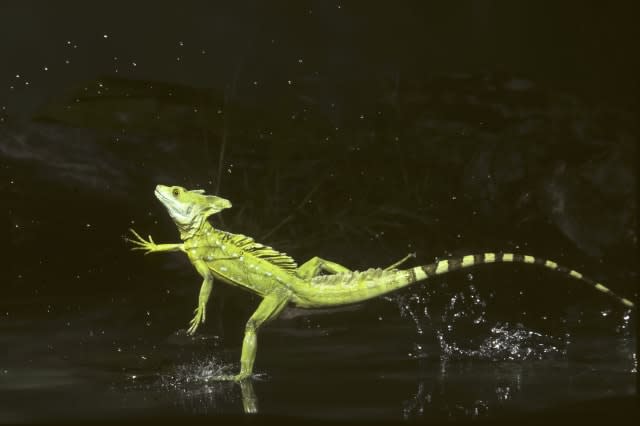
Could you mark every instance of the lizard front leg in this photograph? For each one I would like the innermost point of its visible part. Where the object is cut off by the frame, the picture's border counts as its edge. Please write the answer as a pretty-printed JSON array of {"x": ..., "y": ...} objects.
[
  {"x": 150, "y": 246},
  {"x": 203, "y": 297}
]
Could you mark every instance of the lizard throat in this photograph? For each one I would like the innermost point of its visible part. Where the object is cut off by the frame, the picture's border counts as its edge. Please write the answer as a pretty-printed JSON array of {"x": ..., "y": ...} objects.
[{"x": 194, "y": 227}]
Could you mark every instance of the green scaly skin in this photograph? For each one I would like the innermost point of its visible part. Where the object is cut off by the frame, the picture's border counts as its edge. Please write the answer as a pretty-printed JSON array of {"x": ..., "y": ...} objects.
[{"x": 238, "y": 260}]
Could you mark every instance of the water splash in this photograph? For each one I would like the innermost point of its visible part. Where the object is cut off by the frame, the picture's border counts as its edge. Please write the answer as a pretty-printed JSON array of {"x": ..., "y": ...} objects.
[
  {"x": 195, "y": 392},
  {"x": 409, "y": 306},
  {"x": 188, "y": 386},
  {"x": 507, "y": 342},
  {"x": 197, "y": 372},
  {"x": 627, "y": 344},
  {"x": 625, "y": 326},
  {"x": 463, "y": 331}
]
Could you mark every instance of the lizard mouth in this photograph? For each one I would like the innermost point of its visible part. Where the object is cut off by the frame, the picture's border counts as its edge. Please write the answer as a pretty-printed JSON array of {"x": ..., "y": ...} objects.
[{"x": 159, "y": 195}]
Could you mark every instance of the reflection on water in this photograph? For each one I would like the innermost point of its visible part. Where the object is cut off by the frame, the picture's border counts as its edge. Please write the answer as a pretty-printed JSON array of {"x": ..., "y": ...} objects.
[{"x": 434, "y": 398}]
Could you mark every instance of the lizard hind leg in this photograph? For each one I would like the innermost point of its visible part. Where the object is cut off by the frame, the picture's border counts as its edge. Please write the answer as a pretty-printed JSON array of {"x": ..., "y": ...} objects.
[
  {"x": 267, "y": 310},
  {"x": 315, "y": 265},
  {"x": 400, "y": 262}
]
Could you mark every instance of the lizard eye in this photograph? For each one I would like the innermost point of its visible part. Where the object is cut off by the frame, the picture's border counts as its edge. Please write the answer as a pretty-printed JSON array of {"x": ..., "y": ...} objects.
[{"x": 176, "y": 192}]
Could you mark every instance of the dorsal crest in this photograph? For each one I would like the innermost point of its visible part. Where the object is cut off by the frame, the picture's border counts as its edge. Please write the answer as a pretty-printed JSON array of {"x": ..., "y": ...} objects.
[{"x": 279, "y": 259}]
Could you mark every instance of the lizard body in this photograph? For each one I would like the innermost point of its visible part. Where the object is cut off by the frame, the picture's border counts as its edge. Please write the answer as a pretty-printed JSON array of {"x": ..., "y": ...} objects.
[{"x": 239, "y": 260}]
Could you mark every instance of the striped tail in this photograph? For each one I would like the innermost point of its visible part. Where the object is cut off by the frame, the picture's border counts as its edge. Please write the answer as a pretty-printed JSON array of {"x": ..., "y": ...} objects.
[{"x": 420, "y": 273}]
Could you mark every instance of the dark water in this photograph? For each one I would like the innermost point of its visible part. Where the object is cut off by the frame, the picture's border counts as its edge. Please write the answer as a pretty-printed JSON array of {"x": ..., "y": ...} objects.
[{"x": 382, "y": 366}]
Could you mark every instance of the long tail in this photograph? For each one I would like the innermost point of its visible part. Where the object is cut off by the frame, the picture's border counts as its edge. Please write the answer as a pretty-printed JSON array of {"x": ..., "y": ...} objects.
[{"x": 420, "y": 273}]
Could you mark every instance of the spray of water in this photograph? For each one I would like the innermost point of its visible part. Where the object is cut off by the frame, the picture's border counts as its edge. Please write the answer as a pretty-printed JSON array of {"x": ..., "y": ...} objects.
[
  {"x": 197, "y": 372},
  {"x": 463, "y": 331},
  {"x": 193, "y": 390}
]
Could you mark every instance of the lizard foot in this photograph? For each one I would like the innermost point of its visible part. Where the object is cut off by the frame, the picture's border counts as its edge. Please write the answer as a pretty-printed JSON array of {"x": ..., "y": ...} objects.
[
  {"x": 142, "y": 244},
  {"x": 197, "y": 320},
  {"x": 241, "y": 376},
  {"x": 230, "y": 377}
]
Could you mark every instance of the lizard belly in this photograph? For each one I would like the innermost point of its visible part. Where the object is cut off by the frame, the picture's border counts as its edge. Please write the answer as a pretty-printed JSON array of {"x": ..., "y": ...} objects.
[
  {"x": 233, "y": 276},
  {"x": 239, "y": 276}
]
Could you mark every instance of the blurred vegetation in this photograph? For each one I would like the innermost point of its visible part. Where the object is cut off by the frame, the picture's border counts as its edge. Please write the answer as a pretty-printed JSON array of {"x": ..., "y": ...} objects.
[
  {"x": 469, "y": 147},
  {"x": 438, "y": 165}
]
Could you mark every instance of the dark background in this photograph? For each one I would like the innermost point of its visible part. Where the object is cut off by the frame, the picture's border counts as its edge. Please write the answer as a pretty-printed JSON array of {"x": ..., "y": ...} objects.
[{"x": 356, "y": 131}]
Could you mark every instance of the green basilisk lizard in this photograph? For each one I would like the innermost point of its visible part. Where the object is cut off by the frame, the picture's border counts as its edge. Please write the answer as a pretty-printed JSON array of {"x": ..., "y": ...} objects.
[{"x": 239, "y": 260}]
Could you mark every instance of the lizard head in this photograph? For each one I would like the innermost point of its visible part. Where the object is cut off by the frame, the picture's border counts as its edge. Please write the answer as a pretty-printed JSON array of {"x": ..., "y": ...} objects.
[{"x": 189, "y": 209}]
